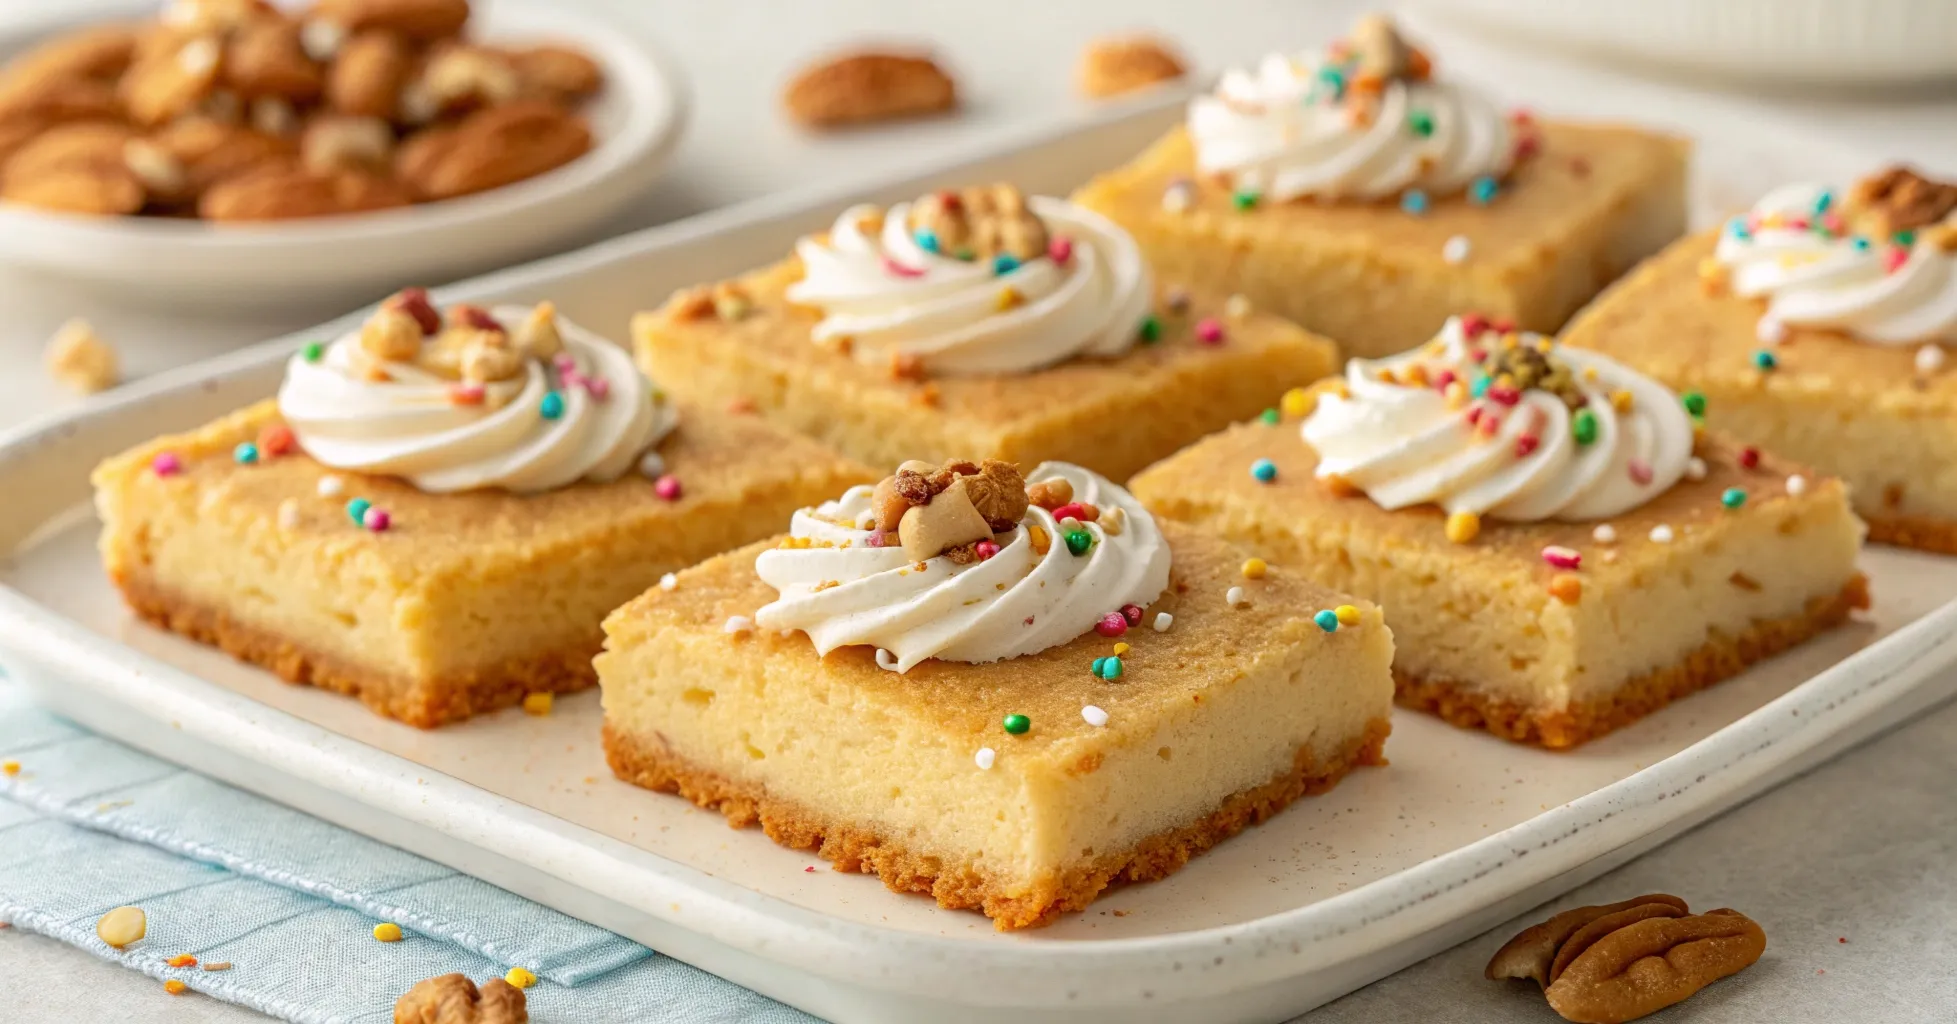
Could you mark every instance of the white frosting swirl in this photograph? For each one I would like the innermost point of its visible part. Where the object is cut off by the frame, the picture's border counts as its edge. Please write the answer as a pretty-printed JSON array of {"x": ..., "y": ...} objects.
[
  {"x": 411, "y": 425},
  {"x": 1793, "y": 252},
  {"x": 842, "y": 591},
  {"x": 1408, "y": 443},
  {"x": 1286, "y": 131},
  {"x": 891, "y": 297}
]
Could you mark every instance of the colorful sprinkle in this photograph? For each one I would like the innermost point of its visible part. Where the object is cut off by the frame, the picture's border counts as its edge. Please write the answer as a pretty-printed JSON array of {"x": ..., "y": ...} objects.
[
  {"x": 1234, "y": 597},
  {"x": 1060, "y": 249},
  {"x": 1133, "y": 613},
  {"x": 166, "y": 464},
  {"x": 330, "y": 486},
  {"x": 1295, "y": 403},
  {"x": 552, "y": 405},
  {"x": 1797, "y": 485},
  {"x": 1640, "y": 471},
  {"x": 1583, "y": 426},
  {"x": 1112, "y": 624},
  {"x": 313, "y": 351},
  {"x": 1562, "y": 557},
  {"x": 667, "y": 487},
  {"x": 1483, "y": 190},
  {"x": 927, "y": 240},
  {"x": 9, "y": 768},
  {"x": 1695, "y": 468},
  {"x": 517, "y": 977},
  {"x": 1661, "y": 534},
  {"x": 387, "y": 931},
  {"x": 1695, "y": 403},
  {"x": 670, "y": 581},
  {"x": 1929, "y": 359},
  {"x": 376, "y": 520},
  {"x": 1094, "y": 716},
  {"x": 1348, "y": 615},
  {"x": 182, "y": 960},
  {"x": 1121, "y": 648},
  {"x": 1770, "y": 330},
  {"x": 1108, "y": 667},
  {"x": 1414, "y": 201},
  {"x": 1463, "y": 527},
  {"x": 896, "y": 269},
  {"x": 1421, "y": 123},
  {"x": 289, "y": 514},
  {"x": 1237, "y": 306},
  {"x": 245, "y": 454},
  {"x": 1605, "y": 533},
  {"x": 276, "y": 440},
  {"x": 1264, "y": 470},
  {"x": 538, "y": 704},
  {"x": 1904, "y": 239},
  {"x": 1244, "y": 199},
  {"x": 1078, "y": 541},
  {"x": 1526, "y": 445},
  {"x": 357, "y": 510},
  {"x": 1765, "y": 361},
  {"x": 1733, "y": 497},
  {"x": 1328, "y": 620},
  {"x": 1005, "y": 263},
  {"x": 1566, "y": 588},
  {"x": 985, "y": 758},
  {"x": 1271, "y": 417},
  {"x": 1163, "y": 620},
  {"x": 1255, "y": 568},
  {"x": 1151, "y": 329},
  {"x": 1017, "y": 724},
  {"x": 1749, "y": 457},
  {"x": 1209, "y": 331},
  {"x": 1008, "y": 298},
  {"x": 1456, "y": 249},
  {"x": 1178, "y": 196},
  {"x": 175, "y": 987},
  {"x": 985, "y": 549}
]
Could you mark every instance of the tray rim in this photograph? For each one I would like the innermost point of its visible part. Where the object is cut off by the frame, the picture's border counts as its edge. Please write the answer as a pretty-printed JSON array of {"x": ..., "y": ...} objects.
[{"x": 1390, "y": 910}]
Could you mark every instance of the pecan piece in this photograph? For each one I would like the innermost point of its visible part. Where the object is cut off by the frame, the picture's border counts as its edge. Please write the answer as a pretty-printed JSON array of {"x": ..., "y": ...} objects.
[
  {"x": 76, "y": 168},
  {"x": 172, "y": 79},
  {"x": 422, "y": 20},
  {"x": 366, "y": 78},
  {"x": 339, "y": 143},
  {"x": 100, "y": 52},
  {"x": 869, "y": 87},
  {"x": 1646, "y": 966},
  {"x": 284, "y": 193},
  {"x": 1530, "y": 954},
  {"x": 51, "y": 100},
  {"x": 557, "y": 73},
  {"x": 461, "y": 78},
  {"x": 491, "y": 148},
  {"x": 265, "y": 58},
  {"x": 980, "y": 223},
  {"x": 1899, "y": 199},
  {"x": 1110, "y": 67},
  {"x": 211, "y": 151},
  {"x": 999, "y": 493},
  {"x": 454, "y": 999}
]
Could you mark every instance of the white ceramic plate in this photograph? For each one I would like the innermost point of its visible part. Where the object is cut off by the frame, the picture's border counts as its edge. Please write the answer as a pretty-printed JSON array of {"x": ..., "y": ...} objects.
[
  {"x": 637, "y": 121},
  {"x": 1460, "y": 832}
]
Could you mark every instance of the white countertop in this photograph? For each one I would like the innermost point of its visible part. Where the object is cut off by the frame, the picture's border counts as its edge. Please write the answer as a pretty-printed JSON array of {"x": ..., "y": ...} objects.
[{"x": 1859, "y": 850}]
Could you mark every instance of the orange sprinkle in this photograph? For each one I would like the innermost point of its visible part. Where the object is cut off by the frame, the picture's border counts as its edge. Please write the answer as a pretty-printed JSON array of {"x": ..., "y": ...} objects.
[
  {"x": 182, "y": 960},
  {"x": 1566, "y": 588},
  {"x": 175, "y": 987},
  {"x": 276, "y": 439}
]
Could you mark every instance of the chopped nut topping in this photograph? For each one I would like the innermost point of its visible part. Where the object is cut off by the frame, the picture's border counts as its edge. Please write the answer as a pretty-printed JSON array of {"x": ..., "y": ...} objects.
[
  {"x": 1899, "y": 199},
  {"x": 538, "y": 334},
  {"x": 488, "y": 356},
  {"x": 979, "y": 223},
  {"x": 454, "y": 999},
  {"x": 943, "y": 507},
  {"x": 392, "y": 334},
  {"x": 1050, "y": 494},
  {"x": 1111, "y": 67},
  {"x": 79, "y": 358}
]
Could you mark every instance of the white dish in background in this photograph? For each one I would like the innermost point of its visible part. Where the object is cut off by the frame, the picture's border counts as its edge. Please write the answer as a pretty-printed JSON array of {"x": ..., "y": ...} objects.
[
  {"x": 636, "y": 123},
  {"x": 1460, "y": 832},
  {"x": 1809, "y": 42}
]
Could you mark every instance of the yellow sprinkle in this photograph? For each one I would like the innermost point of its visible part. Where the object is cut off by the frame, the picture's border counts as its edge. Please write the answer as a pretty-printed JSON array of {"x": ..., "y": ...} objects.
[
  {"x": 1511, "y": 340},
  {"x": 175, "y": 987},
  {"x": 1041, "y": 542},
  {"x": 1620, "y": 400},
  {"x": 1254, "y": 569},
  {"x": 1506, "y": 380},
  {"x": 1457, "y": 395},
  {"x": 537, "y": 704},
  {"x": 1387, "y": 376},
  {"x": 1589, "y": 373},
  {"x": 387, "y": 931},
  {"x": 1545, "y": 346},
  {"x": 1416, "y": 375},
  {"x": 1771, "y": 220},
  {"x": 1008, "y": 298},
  {"x": 1463, "y": 527},
  {"x": 520, "y": 978},
  {"x": 1121, "y": 648},
  {"x": 1437, "y": 348},
  {"x": 1348, "y": 615},
  {"x": 1296, "y": 403},
  {"x": 10, "y": 767}
]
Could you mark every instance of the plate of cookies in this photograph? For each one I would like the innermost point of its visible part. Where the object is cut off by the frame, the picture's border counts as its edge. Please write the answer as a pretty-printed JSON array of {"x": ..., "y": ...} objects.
[{"x": 236, "y": 151}]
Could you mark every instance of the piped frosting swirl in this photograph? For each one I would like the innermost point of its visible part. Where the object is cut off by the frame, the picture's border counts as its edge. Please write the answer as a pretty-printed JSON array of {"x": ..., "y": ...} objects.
[
  {"x": 1042, "y": 582},
  {"x": 1502, "y": 424}
]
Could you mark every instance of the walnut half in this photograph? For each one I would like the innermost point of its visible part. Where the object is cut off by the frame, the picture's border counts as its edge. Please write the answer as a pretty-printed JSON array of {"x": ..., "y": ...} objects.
[
  {"x": 1899, "y": 199},
  {"x": 1615, "y": 963},
  {"x": 454, "y": 999}
]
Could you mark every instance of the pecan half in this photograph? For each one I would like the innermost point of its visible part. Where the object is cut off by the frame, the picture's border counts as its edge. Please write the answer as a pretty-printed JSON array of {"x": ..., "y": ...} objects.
[
  {"x": 265, "y": 58},
  {"x": 557, "y": 73},
  {"x": 1530, "y": 954},
  {"x": 491, "y": 148},
  {"x": 211, "y": 151},
  {"x": 424, "y": 20},
  {"x": 368, "y": 74},
  {"x": 1899, "y": 199},
  {"x": 172, "y": 79},
  {"x": 101, "y": 52},
  {"x": 57, "y": 99},
  {"x": 869, "y": 87},
  {"x": 285, "y": 193},
  {"x": 1110, "y": 67},
  {"x": 454, "y": 999},
  {"x": 339, "y": 143},
  {"x": 76, "y": 168}
]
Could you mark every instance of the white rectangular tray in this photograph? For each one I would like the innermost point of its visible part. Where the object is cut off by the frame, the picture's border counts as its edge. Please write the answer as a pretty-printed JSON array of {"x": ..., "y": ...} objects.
[{"x": 1460, "y": 832}]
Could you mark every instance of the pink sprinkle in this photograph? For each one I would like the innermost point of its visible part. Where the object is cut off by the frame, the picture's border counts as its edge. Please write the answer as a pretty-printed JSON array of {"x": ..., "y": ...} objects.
[
  {"x": 1640, "y": 472},
  {"x": 1561, "y": 557},
  {"x": 1209, "y": 331},
  {"x": 1506, "y": 396},
  {"x": 1474, "y": 415},
  {"x": 1491, "y": 425},
  {"x": 377, "y": 520},
  {"x": 1798, "y": 223},
  {"x": 810, "y": 869},
  {"x": 1894, "y": 259},
  {"x": 1061, "y": 249},
  {"x": 599, "y": 388},
  {"x": 667, "y": 487},
  {"x": 985, "y": 549},
  {"x": 1133, "y": 613},
  {"x": 166, "y": 464},
  {"x": 1526, "y": 444},
  {"x": 1472, "y": 324},
  {"x": 1112, "y": 624},
  {"x": 1832, "y": 223},
  {"x": 1443, "y": 379},
  {"x": 1526, "y": 146},
  {"x": 565, "y": 363},
  {"x": 899, "y": 269},
  {"x": 1502, "y": 326},
  {"x": 572, "y": 378},
  {"x": 876, "y": 539}
]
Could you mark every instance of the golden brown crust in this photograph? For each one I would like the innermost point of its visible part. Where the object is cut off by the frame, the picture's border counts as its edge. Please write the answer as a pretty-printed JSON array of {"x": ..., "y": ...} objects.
[
  {"x": 643, "y": 762},
  {"x": 1924, "y": 533},
  {"x": 1721, "y": 658},
  {"x": 423, "y": 704}
]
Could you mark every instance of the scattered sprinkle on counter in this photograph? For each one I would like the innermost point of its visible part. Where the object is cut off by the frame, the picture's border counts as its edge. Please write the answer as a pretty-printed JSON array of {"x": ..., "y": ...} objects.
[
  {"x": 519, "y": 978},
  {"x": 538, "y": 704},
  {"x": 182, "y": 960},
  {"x": 175, "y": 987},
  {"x": 387, "y": 931},
  {"x": 10, "y": 767}
]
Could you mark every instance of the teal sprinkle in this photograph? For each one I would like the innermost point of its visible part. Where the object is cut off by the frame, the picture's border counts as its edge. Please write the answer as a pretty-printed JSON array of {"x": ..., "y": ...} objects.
[
  {"x": 1861, "y": 244},
  {"x": 1414, "y": 201},
  {"x": 1481, "y": 384},
  {"x": 1264, "y": 470},
  {"x": 1078, "y": 541},
  {"x": 1765, "y": 360},
  {"x": 1334, "y": 78},
  {"x": 1004, "y": 263},
  {"x": 552, "y": 406},
  {"x": 1270, "y": 416},
  {"x": 1245, "y": 199},
  {"x": 1732, "y": 497},
  {"x": 1737, "y": 228},
  {"x": 245, "y": 454},
  {"x": 1328, "y": 620},
  {"x": 1110, "y": 668},
  {"x": 1823, "y": 201},
  {"x": 927, "y": 240},
  {"x": 313, "y": 351},
  {"x": 357, "y": 510},
  {"x": 1098, "y": 662},
  {"x": 1484, "y": 190},
  {"x": 1151, "y": 329}
]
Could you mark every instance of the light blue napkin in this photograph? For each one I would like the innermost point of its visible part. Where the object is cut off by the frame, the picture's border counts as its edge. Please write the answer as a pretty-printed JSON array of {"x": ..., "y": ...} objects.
[{"x": 291, "y": 901}]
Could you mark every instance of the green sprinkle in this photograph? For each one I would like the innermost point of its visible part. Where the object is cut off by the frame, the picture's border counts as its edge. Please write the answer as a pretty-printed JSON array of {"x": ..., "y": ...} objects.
[
  {"x": 1765, "y": 360},
  {"x": 1732, "y": 497},
  {"x": 1583, "y": 426},
  {"x": 1018, "y": 724},
  {"x": 1078, "y": 541},
  {"x": 313, "y": 351},
  {"x": 1151, "y": 329},
  {"x": 1244, "y": 199},
  {"x": 1421, "y": 123},
  {"x": 1270, "y": 416},
  {"x": 1695, "y": 403},
  {"x": 357, "y": 510},
  {"x": 1904, "y": 238}
]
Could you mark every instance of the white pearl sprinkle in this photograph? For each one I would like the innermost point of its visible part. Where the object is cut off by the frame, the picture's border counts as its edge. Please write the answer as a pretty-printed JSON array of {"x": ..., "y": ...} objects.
[
  {"x": 652, "y": 464},
  {"x": 1605, "y": 533},
  {"x": 1661, "y": 534},
  {"x": 1235, "y": 597},
  {"x": 1929, "y": 358},
  {"x": 1456, "y": 249},
  {"x": 330, "y": 486},
  {"x": 1695, "y": 468},
  {"x": 886, "y": 660},
  {"x": 1770, "y": 331},
  {"x": 1177, "y": 197},
  {"x": 738, "y": 624},
  {"x": 288, "y": 514},
  {"x": 668, "y": 581},
  {"x": 1797, "y": 485},
  {"x": 984, "y": 758},
  {"x": 1163, "y": 620},
  {"x": 1237, "y": 306},
  {"x": 1094, "y": 716}
]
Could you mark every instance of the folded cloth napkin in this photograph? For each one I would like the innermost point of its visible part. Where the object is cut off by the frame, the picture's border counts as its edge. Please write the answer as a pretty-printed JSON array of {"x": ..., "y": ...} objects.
[{"x": 290, "y": 901}]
